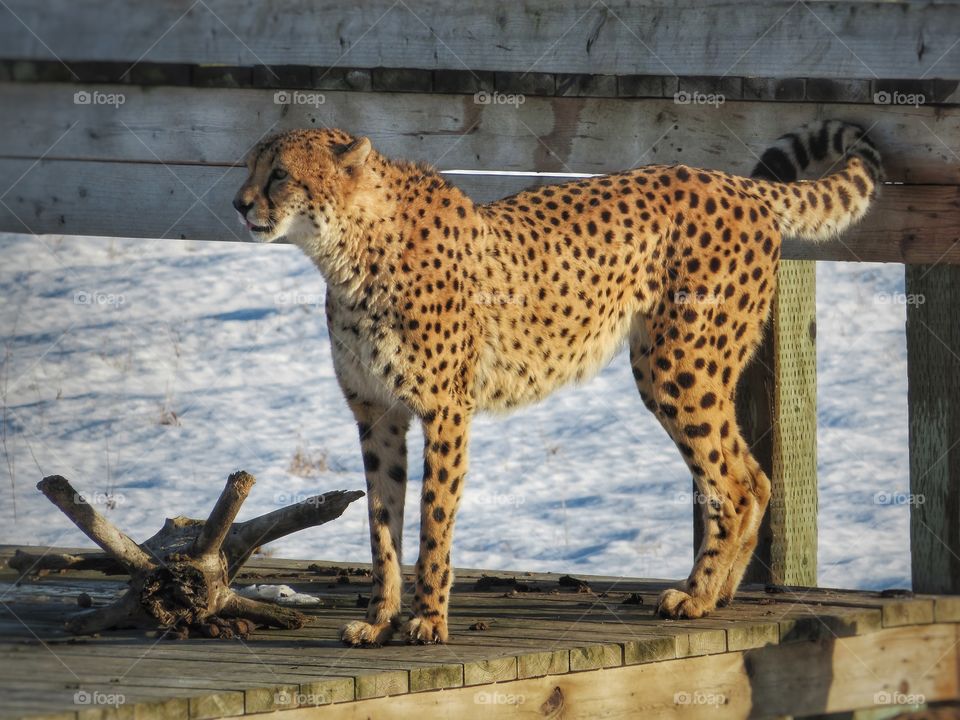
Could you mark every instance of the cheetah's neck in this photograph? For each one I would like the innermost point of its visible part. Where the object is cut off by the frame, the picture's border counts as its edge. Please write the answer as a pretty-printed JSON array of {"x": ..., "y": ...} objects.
[{"x": 383, "y": 231}]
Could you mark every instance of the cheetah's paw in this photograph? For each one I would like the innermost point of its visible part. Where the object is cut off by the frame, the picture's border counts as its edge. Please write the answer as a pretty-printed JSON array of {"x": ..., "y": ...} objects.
[
  {"x": 724, "y": 600},
  {"x": 422, "y": 631},
  {"x": 676, "y": 604},
  {"x": 360, "y": 633}
]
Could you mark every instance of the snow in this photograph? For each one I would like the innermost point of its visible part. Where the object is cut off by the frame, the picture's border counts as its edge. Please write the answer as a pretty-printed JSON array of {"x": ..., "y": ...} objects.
[
  {"x": 280, "y": 594},
  {"x": 147, "y": 371}
]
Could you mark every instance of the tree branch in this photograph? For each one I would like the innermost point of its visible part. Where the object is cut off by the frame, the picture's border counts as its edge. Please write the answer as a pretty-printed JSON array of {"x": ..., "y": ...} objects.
[
  {"x": 96, "y": 527},
  {"x": 221, "y": 518},
  {"x": 262, "y": 613},
  {"x": 247, "y": 536}
]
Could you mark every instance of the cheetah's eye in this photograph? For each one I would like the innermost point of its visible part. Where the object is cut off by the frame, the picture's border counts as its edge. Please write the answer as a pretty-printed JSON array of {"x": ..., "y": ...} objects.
[{"x": 279, "y": 174}]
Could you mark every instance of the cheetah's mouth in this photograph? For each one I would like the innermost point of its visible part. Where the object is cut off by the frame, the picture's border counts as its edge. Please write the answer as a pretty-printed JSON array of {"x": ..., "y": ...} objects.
[
  {"x": 257, "y": 228},
  {"x": 254, "y": 227}
]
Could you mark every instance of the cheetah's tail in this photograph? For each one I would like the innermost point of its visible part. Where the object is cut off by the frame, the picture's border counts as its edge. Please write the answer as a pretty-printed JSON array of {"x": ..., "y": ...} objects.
[{"x": 848, "y": 171}]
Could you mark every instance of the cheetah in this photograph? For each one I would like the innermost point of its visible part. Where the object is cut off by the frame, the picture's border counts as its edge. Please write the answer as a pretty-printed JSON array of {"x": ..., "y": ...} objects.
[{"x": 439, "y": 307}]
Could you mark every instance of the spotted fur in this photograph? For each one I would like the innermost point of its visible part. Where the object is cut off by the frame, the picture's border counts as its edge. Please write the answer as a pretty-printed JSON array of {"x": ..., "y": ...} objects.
[{"x": 439, "y": 307}]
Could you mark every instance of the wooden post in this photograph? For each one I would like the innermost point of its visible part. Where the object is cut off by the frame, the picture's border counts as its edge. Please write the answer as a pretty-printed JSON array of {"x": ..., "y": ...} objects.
[
  {"x": 933, "y": 392},
  {"x": 777, "y": 409}
]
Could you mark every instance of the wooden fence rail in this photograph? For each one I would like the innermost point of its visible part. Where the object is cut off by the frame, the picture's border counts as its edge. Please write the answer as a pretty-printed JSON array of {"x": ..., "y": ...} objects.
[
  {"x": 780, "y": 38},
  {"x": 102, "y": 133}
]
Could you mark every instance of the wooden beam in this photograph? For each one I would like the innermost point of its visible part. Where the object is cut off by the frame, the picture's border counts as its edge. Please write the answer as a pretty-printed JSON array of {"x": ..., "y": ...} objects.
[
  {"x": 933, "y": 390},
  {"x": 583, "y": 135},
  {"x": 193, "y": 201},
  {"x": 844, "y": 39},
  {"x": 800, "y": 678},
  {"x": 777, "y": 409}
]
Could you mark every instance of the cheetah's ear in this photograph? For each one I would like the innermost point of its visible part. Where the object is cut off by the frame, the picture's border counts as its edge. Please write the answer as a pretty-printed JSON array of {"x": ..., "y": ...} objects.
[{"x": 354, "y": 154}]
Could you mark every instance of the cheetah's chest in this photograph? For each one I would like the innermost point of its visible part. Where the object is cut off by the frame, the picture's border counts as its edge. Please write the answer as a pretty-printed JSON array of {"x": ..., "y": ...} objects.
[{"x": 365, "y": 352}]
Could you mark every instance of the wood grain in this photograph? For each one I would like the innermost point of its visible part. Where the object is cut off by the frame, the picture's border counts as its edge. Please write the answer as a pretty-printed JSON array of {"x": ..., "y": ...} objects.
[
  {"x": 777, "y": 409},
  {"x": 912, "y": 224},
  {"x": 774, "y": 39},
  {"x": 932, "y": 293},
  {"x": 583, "y": 135}
]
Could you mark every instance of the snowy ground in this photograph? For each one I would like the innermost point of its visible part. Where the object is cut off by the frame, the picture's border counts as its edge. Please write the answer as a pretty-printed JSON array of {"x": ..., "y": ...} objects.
[{"x": 147, "y": 371}]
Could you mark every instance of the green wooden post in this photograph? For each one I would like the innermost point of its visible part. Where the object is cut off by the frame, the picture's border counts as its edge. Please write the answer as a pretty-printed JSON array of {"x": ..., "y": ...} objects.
[
  {"x": 777, "y": 409},
  {"x": 933, "y": 392}
]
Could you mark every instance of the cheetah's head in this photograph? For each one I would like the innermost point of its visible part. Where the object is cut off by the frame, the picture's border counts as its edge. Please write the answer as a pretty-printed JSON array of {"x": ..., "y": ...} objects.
[{"x": 299, "y": 184}]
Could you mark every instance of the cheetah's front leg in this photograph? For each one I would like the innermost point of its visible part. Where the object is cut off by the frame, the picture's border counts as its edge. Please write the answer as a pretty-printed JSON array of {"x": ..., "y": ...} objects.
[
  {"x": 383, "y": 442},
  {"x": 446, "y": 433}
]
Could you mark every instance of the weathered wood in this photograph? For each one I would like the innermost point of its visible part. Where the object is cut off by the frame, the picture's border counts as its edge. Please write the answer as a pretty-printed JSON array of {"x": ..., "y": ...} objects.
[
  {"x": 256, "y": 674},
  {"x": 912, "y": 224},
  {"x": 104, "y": 533},
  {"x": 946, "y": 609},
  {"x": 777, "y": 409},
  {"x": 180, "y": 578},
  {"x": 782, "y": 680},
  {"x": 243, "y": 539},
  {"x": 218, "y": 126},
  {"x": 774, "y": 39},
  {"x": 933, "y": 391},
  {"x": 218, "y": 525},
  {"x": 556, "y": 635}
]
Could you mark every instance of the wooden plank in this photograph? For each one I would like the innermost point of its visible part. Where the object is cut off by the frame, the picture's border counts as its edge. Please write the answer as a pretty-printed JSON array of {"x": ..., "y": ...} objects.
[
  {"x": 98, "y": 702},
  {"x": 777, "y": 409},
  {"x": 775, "y": 39},
  {"x": 436, "y": 677},
  {"x": 596, "y": 657},
  {"x": 797, "y": 679},
  {"x": 260, "y": 685},
  {"x": 946, "y": 609},
  {"x": 804, "y": 623},
  {"x": 933, "y": 391},
  {"x": 893, "y": 611},
  {"x": 907, "y": 225},
  {"x": 183, "y": 201},
  {"x": 529, "y": 635},
  {"x": 587, "y": 639},
  {"x": 206, "y": 126},
  {"x": 482, "y": 672},
  {"x": 429, "y": 668}
]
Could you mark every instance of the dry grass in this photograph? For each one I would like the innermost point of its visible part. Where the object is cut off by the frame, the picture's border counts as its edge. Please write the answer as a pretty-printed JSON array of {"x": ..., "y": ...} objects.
[{"x": 307, "y": 464}]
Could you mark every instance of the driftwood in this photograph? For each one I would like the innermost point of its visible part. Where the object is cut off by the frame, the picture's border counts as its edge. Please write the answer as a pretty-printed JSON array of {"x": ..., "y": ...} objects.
[{"x": 180, "y": 577}]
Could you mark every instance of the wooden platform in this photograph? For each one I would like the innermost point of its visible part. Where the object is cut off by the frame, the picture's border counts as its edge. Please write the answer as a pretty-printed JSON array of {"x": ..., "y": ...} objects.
[{"x": 524, "y": 644}]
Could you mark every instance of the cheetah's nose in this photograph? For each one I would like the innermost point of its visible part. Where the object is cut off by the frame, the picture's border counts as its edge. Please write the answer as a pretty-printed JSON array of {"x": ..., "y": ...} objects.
[{"x": 241, "y": 206}]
